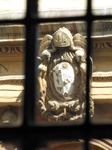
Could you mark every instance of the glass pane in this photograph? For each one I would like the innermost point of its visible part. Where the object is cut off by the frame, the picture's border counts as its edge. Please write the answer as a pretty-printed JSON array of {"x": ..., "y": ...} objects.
[
  {"x": 12, "y": 46},
  {"x": 9, "y": 145},
  {"x": 61, "y": 72},
  {"x": 101, "y": 90},
  {"x": 63, "y": 145},
  {"x": 100, "y": 7},
  {"x": 59, "y": 8},
  {"x": 100, "y": 144},
  {"x": 12, "y": 9}
]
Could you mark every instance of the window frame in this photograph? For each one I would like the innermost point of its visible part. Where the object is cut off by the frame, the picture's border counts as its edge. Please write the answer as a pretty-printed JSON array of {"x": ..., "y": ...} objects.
[{"x": 33, "y": 136}]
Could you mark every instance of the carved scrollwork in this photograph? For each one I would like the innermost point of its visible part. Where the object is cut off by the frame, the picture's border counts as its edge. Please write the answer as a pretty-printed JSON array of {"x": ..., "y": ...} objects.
[
  {"x": 11, "y": 50},
  {"x": 102, "y": 44},
  {"x": 62, "y": 76},
  {"x": 12, "y": 81}
]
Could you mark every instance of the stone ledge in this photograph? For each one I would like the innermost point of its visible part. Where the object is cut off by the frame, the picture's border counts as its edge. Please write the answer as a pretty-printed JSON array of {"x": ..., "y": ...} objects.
[
  {"x": 102, "y": 76},
  {"x": 11, "y": 90}
]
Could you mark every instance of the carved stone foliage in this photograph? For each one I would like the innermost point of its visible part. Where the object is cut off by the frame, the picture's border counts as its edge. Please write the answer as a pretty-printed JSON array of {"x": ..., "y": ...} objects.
[
  {"x": 62, "y": 76},
  {"x": 11, "y": 49}
]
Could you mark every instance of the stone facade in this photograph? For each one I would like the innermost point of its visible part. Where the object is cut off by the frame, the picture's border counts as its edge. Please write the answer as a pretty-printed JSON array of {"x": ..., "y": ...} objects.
[
  {"x": 12, "y": 47},
  {"x": 11, "y": 74}
]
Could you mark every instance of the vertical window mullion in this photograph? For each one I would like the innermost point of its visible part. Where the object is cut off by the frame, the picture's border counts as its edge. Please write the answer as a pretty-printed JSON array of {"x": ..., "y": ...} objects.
[
  {"x": 30, "y": 58},
  {"x": 88, "y": 72},
  {"x": 87, "y": 119},
  {"x": 89, "y": 21}
]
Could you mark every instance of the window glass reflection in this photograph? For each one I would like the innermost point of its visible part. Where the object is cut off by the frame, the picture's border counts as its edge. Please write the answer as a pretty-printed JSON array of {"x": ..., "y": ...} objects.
[
  {"x": 11, "y": 9},
  {"x": 100, "y": 7},
  {"x": 66, "y": 145},
  {"x": 100, "y": 144},
  {"x": 10, "y": 145},
  {"x": 58, "y": 8}
]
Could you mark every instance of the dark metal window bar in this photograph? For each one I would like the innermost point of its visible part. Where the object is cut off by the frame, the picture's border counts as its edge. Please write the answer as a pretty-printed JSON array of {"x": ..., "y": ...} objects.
[{"x": 33, "y": 136}]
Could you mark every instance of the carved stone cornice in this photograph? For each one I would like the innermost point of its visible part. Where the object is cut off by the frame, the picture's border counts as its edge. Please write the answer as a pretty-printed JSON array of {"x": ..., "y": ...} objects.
[
  {"x": 102, "y": 77},
  {"x": 12, "y": 32},
  {"x": 99, "y": 28},
  {"x": 102, "y": 42},
  {"x": 18, "y": 31},
  {"x": 12, "y": 80},
  {"x": 11, "y": 90},
  {"x": 102, "y": 45},
  {"x": 11, "y": 50}
]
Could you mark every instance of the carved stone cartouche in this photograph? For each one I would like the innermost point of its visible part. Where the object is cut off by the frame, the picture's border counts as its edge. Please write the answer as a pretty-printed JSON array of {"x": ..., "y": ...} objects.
[
  {"x": 8, "y": 117},
  {"x": 62, "y": 76}
]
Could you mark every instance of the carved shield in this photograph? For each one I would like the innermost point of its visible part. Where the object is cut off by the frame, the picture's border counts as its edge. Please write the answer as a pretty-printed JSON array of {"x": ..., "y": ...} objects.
[{"x": 64, "y": 79}]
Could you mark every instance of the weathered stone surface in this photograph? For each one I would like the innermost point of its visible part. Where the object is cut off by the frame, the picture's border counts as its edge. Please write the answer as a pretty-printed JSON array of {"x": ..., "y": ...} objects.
[
  {"x": 61, "y": 76},
  {"x": 64, "y": 79}
]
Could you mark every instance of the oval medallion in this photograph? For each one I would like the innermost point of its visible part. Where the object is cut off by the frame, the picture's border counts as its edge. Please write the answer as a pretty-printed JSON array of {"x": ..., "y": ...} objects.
[{"x": 64, "y": 78}]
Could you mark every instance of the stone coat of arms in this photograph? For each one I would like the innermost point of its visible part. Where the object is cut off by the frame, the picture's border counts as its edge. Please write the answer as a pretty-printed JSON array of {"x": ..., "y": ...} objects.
[{"x": 62, "y": 76}]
